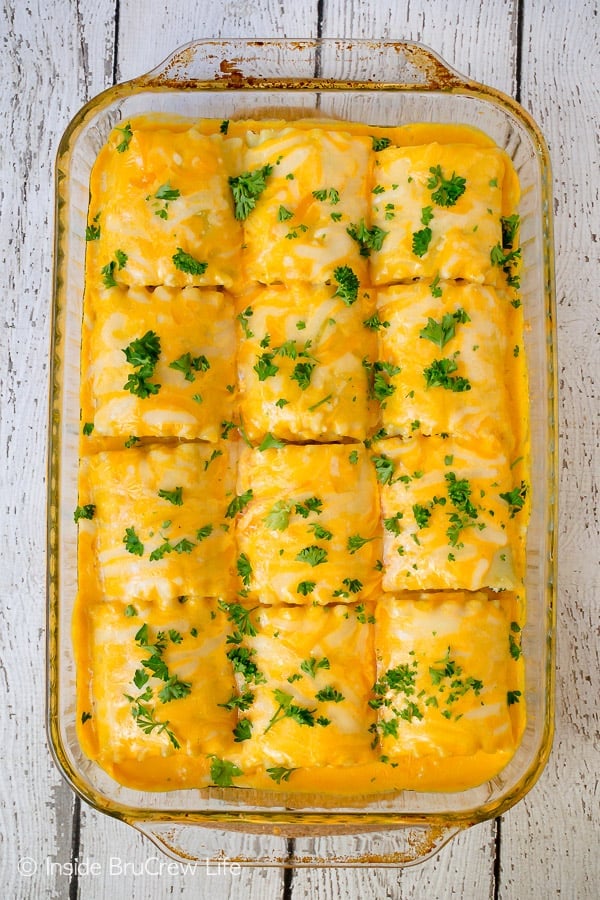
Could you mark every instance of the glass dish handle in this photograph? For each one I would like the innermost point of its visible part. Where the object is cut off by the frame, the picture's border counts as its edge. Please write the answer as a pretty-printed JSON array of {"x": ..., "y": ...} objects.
[
  {"x": 257, "y": 64},
  {"x": 194, "y": 846}
]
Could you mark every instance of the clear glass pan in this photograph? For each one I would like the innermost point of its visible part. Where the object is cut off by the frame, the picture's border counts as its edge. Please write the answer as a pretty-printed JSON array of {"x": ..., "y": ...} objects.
[{"x": 382, "y": 83}]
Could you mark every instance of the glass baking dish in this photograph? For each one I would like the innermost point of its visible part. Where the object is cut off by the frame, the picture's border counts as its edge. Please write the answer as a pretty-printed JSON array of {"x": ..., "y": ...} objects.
[{"x": 380, "y": 83}]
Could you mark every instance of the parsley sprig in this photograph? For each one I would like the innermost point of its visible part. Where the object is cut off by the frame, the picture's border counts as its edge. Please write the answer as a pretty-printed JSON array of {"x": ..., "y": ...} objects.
[
  {"x": 143, "y": 354},
  {"x": 445, "y": 191},
  {"x": 347, "y": 284},
  {"x": 439, "y": 374},
  {"x": 515, "y": 499},
  {"x": 289, "y": 710},
  {"x": 247, "y": 188},
  {"x": 187, "y": 263},
  {"x": 368, "y": 239},
  {"x": 439, "y": 333}
]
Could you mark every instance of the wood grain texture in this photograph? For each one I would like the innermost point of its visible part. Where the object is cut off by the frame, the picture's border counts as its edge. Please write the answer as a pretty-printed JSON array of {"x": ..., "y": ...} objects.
[
  {"x": 57, "y": 56},
  {"x": 478, "y": 39},
  {"x": 180, "y": 22},
  {"x": 47, "y": 73},
  {"x": 551, "y": 839}
]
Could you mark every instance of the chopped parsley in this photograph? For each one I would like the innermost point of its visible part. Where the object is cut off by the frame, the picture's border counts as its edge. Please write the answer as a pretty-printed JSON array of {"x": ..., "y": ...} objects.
[
  {"x": 510, "y": 226},
  {"x": 320, "y": 533},
  {"x": 166, "y": 194},
  {"x": 175, "y": 496},
  {"x": 204, "y": 532},
  {"x": 368, "y": 239},
  {"x": 223, "y": 771},
  {"x": 238, "y": 503},
  {"x": 92, "y": 232},
  {"x": 127, "y": 133},
  {"x": 247, "y": 188},
  {"x": 270, "y": 442},
  {"x": 499, "y": 257},
  {"x": 515, "y": 499},
  {"x": 306, "y": 587},
  {"x": 88, "y": 428},
  {"x": 279, "y": 773},
  {"x": 384, "y": 468},
  {"x": 421, "y": 240},
  {"x": 439, "y": 333},
  {"x": 242, "y": 662},
  {"x": 348, "y": 284},
  {"x": 239, "y": 701},
  {"x": 445, "y": 191},
  {"x": 422, "y": 515},
  {"x": 240, "y": 616},
  {"x": 132, "y": 542},
  {"x": 435, "y": 288},
  {"x": 392, "y": 523},
  {"x": 242, "y": 731},
  {"x": 513, "y": 697},
  {"x": 311, "y": 504},
  {"x": 265, "y": 367},
  {"x": 108, "y": 277},
  {"x": 355, "y": 542},
  {"x": 244, "y": 569},
  {"x": 311, "y": 665},
  {"x": 243, "y": 318},
  {"x": 329, "y": 695},
  {"x": 143, "y": 354},
  {"x": 188, "y": 364},
  {"x": 284, "y": 214},
  {"x": 375, "y": 323},
  {"x": 145, "y": 719},
  {"x": 302, "y": 374},
  {"x": 187, "y": 263},
  {"x": 439, "y": 374},
  {"x": 289, "y": 710},
  {"x": 312, "y": 555},
  {"x": 327, "y": 194},
  {"x": 278, "y": 517},
  {"x": 379, "y": 144},
  {"x": 224, "y": 126},
  {"x": 84, "y": 512}
]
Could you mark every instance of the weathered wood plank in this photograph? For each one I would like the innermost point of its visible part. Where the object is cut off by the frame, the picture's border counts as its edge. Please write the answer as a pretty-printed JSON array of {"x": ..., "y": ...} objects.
[
  {"x": 175, "y": 24},
  {"x": 48, "y": 69},
  {"x": 56, "y": 57},
  {"x": 551, "y": 839},
  {"x": 479, "y": 39}
]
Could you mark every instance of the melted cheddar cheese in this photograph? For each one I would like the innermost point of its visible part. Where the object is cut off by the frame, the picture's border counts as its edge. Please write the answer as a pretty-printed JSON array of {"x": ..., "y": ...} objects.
[
  {"x": 466, "y": 324},
  {"x": 300, "y": 364},
  {"x": 311, "y": 522},
  {"x": 156, "y": 196},
  {"x": 192, "y": 375},
  {"x": 460, "y": 235},
  {"x": 161, "y": 521},
  {"x": 437, "y": 692},
  {"x": 303, "y": 486},
  {"x": 316, "y": 190}
]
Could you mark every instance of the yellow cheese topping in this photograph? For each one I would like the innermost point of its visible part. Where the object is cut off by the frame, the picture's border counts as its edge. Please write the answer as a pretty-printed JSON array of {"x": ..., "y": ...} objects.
[
  {"x": 303, "y": 491},
  {"x": 190, "y": 389},
  {"x": 446, "y": 515},
  {"x": 448, "y": 347},
  {"x": 311, "y": 528},
  {"x": 300, "y": 363}
]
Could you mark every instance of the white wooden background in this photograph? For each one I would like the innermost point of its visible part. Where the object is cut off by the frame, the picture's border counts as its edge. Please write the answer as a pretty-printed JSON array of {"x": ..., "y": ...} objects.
[{"x": 55, "y": 55}]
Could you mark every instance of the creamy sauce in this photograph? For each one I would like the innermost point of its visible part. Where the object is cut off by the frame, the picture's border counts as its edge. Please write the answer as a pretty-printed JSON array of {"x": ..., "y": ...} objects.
[{"x": 338, "y": 679}]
